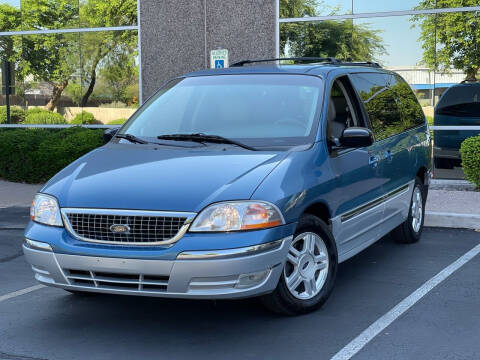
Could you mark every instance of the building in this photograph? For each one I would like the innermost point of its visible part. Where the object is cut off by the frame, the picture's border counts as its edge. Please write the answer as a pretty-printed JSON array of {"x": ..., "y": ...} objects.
[{"x": 107, "y": 57}]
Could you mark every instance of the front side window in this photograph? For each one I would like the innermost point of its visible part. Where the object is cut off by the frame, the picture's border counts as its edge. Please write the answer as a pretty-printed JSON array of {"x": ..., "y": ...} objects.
[
  {"x": 259, "y": 110},
  {"x": 380, "y": 102},
  {"x": 341, "y": 111}
]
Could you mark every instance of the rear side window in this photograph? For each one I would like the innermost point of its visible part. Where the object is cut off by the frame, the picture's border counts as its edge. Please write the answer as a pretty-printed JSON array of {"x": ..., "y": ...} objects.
[
  {"x": 460, "y": 101},
  {"x": 410, "y": 110},
  {"x": 380, "y": 102}
]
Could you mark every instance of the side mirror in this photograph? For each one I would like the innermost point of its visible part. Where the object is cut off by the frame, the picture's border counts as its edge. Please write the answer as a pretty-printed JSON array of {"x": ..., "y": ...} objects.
[
  {"x": 109, "y": 134},
  {"x": 356, "y": 137}
]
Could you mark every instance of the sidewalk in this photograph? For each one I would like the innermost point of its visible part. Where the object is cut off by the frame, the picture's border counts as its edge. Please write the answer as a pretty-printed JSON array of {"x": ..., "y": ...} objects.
[
  {"x": 16, "y": 194},
  {"x": 453, "y": 209},
  {"x": 445, "y": 208}
]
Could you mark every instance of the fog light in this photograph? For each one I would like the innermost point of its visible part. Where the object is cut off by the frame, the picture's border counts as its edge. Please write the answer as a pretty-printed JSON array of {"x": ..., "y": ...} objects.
[
  {"x": 38, "y": 245},
  {"x": 252, "y": 279}
]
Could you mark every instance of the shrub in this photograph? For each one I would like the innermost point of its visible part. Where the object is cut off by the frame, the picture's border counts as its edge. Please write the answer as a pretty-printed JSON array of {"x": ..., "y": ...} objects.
[
  {"x": 470, "y": 152},
  {"x": 35, "y": 155},
  {"x": 84, "y": 118},
  {"x": 117, "y": 122},
  {"x": 16, "y": 114},
  {"x": 43, "y": 116},
  {"x": 429, "y": 120}
]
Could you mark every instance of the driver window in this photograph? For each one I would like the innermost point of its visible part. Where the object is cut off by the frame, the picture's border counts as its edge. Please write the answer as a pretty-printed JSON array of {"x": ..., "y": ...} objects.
[{"x": 341, "y": 113}]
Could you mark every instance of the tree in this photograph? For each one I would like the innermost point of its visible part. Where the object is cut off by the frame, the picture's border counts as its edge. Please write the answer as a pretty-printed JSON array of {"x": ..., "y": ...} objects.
[
  {"x": 10, "y": 20},
  {"x": 457, "y": 37},
  {"x": 52, "y": 58},
  {"x": 97, "y": 46},
  {"x": 63, "y": 59},
  {"x": 119, "y": 74},
  {"x": 340, "y": 39}
]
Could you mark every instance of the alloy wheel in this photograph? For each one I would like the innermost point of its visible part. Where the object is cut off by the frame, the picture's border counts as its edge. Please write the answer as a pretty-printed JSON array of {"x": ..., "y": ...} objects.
[
  {"x": 417, "y": 209},
  {"x": 307, "y": 264}
]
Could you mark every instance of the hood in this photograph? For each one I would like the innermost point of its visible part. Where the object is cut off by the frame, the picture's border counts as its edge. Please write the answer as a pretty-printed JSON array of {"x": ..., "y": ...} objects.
[{"x": 128, "y": 176}]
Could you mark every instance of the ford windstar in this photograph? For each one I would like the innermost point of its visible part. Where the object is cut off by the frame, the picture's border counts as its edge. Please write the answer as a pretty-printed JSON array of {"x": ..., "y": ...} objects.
[{"x": 257, "y": 180}]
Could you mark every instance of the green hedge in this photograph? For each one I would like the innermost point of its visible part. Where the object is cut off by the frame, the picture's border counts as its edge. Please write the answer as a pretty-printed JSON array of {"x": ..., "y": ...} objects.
[
  {"x": 16, "y": 114},
  {"x": 84, "y": 118},
  {"x": 117, "y": 122},
  {"x": 43, "y": 116},
  {"x": 470, "y": 152},
  {"x": 35, "y": 155}
]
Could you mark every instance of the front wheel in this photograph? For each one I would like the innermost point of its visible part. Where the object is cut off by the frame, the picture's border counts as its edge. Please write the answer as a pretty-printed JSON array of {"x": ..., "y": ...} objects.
[
  {"x": 410, "y": 231},
  {"x": 309, "y": 272}
]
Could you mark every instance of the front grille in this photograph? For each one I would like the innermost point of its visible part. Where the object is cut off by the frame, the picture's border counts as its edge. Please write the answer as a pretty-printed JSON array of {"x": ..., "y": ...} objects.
[
  {"x": 117, "y": 281},
  {"x": 139, "y": 229}
]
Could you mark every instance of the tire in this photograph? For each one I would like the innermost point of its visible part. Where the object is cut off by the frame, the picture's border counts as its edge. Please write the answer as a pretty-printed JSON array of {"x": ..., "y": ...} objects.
[
  {"x": 410, "y": 231},
  {"x": 317, "y": 275}
]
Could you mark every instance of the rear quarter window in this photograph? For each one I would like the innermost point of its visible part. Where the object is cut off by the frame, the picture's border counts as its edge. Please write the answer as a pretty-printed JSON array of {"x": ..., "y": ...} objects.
[
  {"x": 391, "y": 105},
  {"x": 410, "y": 110},
  {"x": 380, "y": 103}
]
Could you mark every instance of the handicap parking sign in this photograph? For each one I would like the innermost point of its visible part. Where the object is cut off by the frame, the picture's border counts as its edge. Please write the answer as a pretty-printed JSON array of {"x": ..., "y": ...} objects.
[{"x": 219, "y": 59}]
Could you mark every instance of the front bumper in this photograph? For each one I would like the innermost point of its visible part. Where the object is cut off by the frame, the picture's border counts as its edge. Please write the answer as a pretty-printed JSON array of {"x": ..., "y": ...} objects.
[{"x": 233, "y": 273}]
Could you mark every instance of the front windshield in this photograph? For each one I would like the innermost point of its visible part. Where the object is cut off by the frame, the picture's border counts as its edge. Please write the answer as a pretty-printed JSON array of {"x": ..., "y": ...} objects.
[{"x": 259, "y": 110}]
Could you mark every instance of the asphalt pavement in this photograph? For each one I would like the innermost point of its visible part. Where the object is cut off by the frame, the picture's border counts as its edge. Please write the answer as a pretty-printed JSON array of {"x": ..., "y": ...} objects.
[{"x": 49, "y": 323}]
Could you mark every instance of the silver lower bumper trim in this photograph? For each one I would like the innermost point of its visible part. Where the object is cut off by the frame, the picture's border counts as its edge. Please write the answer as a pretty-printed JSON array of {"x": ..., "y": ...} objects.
[
  {"x": 208, "y": 277},
  {"x": 230, "y": 253}
]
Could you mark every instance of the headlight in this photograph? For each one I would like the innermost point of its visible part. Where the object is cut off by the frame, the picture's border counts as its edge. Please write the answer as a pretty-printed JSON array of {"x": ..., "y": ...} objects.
[
  {"x": 237, "y": 216},
  {"x": 45, "y": 210}
]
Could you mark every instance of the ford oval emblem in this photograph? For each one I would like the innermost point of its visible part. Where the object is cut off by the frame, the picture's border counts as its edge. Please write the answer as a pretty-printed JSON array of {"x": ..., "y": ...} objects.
[{"x": 120, "y": 229}]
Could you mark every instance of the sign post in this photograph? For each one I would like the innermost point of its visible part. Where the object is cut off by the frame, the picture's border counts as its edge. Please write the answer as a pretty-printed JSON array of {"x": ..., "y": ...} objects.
[{"x": 219, "y": 59}]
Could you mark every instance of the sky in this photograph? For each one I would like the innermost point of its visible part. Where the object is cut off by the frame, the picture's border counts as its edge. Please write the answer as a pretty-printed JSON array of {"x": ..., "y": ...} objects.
[
  {"x": 15, "y": 3},
  {"x": 400, "y": 40},
  {"x": 362, "y": 6}
]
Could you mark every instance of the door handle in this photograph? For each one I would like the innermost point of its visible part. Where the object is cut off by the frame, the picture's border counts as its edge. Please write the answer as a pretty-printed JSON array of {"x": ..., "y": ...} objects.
[
  {"x": 388, "y": 155},
  {"x": 373, "y": 161}
]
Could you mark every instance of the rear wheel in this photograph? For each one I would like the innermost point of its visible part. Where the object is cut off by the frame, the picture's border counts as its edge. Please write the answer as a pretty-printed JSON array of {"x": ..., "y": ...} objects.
[
  {"x": 410, "y": 231},
  {"x": 309, "y": 272}
]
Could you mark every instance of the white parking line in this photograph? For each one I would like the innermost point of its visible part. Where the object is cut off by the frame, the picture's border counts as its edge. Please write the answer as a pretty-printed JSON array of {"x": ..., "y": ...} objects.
[
  {"x": 378, "y": 326},
  {"x": 21, "y": 292}
]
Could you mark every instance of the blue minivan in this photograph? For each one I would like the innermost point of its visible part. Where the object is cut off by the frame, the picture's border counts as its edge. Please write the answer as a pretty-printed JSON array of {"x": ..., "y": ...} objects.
[{"x": 255, "y": 180}]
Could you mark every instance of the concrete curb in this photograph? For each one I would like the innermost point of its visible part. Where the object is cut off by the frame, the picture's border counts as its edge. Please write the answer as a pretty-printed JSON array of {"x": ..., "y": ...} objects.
[
  {"x": 452, "y": 220},
  {"x": 455, "y": 185}
]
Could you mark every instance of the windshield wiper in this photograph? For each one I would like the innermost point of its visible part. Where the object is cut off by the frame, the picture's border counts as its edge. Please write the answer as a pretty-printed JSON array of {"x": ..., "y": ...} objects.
[
  {"x": 199, "y": 137},
  {"x": 131, "y": 138}
]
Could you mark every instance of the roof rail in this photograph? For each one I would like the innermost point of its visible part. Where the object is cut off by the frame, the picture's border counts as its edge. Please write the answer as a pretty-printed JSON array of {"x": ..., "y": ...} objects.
[
  {"x": 362, "y": 63},
  {"x": 328, "y": 60}
]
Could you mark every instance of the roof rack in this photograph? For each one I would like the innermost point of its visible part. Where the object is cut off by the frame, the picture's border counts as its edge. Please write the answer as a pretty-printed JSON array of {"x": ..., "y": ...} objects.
[
  {"x": 328, "y": 60},
  {"x": 362, "y": 63},
  {"x": 298, "y": 59}
]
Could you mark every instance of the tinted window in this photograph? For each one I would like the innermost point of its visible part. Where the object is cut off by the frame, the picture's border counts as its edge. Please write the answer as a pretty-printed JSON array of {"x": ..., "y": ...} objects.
[
  {"x": 461, "y": 100},
  {"x": 260, "y": 110},
  {"x": 380, "y": 103},
  {"x": 410, "y": 110}
]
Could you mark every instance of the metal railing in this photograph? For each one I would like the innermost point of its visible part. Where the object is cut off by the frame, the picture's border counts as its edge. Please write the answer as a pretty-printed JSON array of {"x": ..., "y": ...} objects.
[{"x": 43, "y": 126}]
